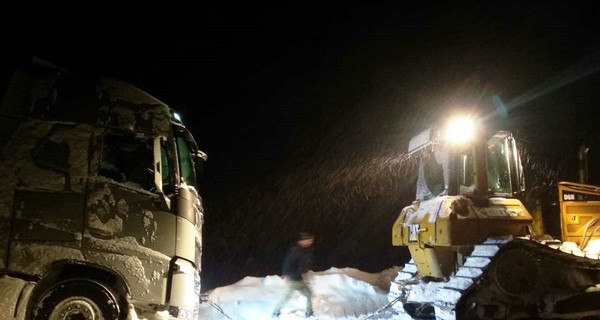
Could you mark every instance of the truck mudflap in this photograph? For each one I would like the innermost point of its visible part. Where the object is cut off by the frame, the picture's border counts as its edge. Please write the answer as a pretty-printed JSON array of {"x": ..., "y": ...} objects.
[
  {"x": 184, "y": 299},
  {"x": 14, "y": 296},
  {"x": 505, "y": 278}
]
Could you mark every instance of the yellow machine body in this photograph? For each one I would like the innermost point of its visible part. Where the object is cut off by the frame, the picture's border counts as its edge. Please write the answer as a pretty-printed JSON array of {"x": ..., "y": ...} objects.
[
  {"x": 434, "y": 230},
  {"x": 579, "y": 212}
]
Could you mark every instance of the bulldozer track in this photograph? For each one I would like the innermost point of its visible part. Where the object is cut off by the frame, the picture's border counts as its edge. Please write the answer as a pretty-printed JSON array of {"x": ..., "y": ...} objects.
[
  {"x": 449, "y": 295},
  {"x": 529, "y": 279},
  {"x": 506, "y": 278}
]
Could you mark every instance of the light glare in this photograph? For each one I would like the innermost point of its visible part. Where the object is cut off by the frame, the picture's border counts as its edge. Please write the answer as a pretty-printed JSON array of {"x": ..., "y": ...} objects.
[{"x": 460, "y": 130}]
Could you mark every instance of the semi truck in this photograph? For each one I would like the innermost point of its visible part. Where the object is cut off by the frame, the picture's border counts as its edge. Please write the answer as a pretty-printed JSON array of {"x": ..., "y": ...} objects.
[{"x": 100, "y": 210}]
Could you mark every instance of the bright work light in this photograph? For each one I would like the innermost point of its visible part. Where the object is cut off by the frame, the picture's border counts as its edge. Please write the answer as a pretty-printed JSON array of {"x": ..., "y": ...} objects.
[
  {"x": 177, "y": 116},
  {"x": 460, "y": 130}
]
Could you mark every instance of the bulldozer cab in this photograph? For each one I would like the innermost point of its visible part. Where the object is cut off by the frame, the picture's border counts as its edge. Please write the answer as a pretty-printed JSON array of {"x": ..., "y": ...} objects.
[{"x": 480, "y": 167}]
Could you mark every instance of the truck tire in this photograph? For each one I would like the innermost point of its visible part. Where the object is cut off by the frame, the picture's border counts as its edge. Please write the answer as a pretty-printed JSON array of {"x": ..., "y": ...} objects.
[{"x": 79, "y": 299}]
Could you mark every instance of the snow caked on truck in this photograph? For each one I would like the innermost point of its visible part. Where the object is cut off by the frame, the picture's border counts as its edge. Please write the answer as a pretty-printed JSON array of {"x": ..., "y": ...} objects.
[{"x": 99, "y": 204}]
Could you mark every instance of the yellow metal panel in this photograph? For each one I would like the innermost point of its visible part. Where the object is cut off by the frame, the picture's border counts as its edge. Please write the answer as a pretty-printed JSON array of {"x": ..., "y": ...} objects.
[
  {"x": 434, "y": 262},
  {"x": 579, "y": 211}
]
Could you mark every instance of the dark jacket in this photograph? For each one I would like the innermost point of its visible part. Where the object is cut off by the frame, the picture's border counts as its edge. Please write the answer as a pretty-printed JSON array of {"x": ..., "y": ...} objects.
[{"x": 297, "y": 262}]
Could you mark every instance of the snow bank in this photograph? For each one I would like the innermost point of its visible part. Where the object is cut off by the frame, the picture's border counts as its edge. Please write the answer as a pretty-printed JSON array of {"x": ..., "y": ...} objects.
[
  {"x": 161, "y": 315},
  {"x": 592, "y": 250},
  {"x": 345, "y": 293},
  {"x": 337, "y": 294}
]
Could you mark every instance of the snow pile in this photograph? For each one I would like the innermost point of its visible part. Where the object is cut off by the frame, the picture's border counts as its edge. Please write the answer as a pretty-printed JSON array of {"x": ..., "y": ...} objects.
[
  {"x": 337, "y": 294},
  {"x": 161, "y": 315},
  {"x": 424, "y": 291},
  {"x": 592, "y": 250}
]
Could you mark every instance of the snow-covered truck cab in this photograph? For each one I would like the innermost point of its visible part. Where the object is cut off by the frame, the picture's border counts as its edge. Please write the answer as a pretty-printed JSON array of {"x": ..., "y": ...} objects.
[{"x": 100, "y": 205}]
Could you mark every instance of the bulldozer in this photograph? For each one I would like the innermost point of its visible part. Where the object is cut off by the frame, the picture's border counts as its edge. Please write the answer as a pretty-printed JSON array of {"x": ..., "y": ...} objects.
[{"x": 477, "y": 252}]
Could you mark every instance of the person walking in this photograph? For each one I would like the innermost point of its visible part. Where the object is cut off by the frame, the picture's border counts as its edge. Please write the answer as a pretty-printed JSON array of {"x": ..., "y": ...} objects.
[{"x": 298, "y": 261}]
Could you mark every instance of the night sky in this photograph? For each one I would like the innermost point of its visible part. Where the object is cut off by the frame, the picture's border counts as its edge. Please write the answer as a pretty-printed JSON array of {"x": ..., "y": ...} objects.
[{"x": 305, "y": 109}]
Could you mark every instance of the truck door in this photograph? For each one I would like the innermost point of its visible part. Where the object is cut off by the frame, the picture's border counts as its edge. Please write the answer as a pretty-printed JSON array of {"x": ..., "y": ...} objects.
[
  {"x": 128, "y": 226},
  {"x": 50, "y": 166}
]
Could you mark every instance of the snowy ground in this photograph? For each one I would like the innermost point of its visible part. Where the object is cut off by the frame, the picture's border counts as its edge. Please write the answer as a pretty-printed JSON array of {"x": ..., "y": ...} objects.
[
  {"x": 337, "y": 294},
  {"x": 341, "y": 294}
]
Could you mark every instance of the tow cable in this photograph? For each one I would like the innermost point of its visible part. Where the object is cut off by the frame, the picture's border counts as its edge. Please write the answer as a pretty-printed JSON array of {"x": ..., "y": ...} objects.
[
  {"x": 391, "y": 303},
  {"x": 204, "y": 298}
]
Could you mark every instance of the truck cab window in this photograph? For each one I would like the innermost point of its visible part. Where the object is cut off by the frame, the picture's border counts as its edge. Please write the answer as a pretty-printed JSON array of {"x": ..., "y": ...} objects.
[
  {"x": 128, "y": 160},
  {"x": 166, "y": 167},
  {"x": 186, "y": 162},
  {"x": 53, "y": 155}
]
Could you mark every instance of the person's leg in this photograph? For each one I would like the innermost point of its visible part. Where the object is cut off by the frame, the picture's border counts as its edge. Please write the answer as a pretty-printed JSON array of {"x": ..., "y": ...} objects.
[
  {"x": 305, "y": 291},
  {"x": 289, "y": 289}
]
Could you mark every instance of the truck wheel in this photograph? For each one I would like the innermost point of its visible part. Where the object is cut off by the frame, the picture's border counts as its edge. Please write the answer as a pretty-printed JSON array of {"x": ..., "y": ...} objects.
[{"x": 78, "y": 299}]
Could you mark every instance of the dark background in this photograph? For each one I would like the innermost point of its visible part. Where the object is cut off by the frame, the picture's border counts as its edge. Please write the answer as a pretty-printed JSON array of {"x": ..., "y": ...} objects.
[{"x": 305, "y": 109}]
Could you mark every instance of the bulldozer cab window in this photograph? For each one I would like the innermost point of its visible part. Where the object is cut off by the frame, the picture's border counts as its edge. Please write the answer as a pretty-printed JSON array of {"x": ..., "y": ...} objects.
[
  {"x": 433, "y": 174},
  {"x": 128, "y": 159},
  {"x": 498, "y": 166},
  {"x": 466, "y": 174}
]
